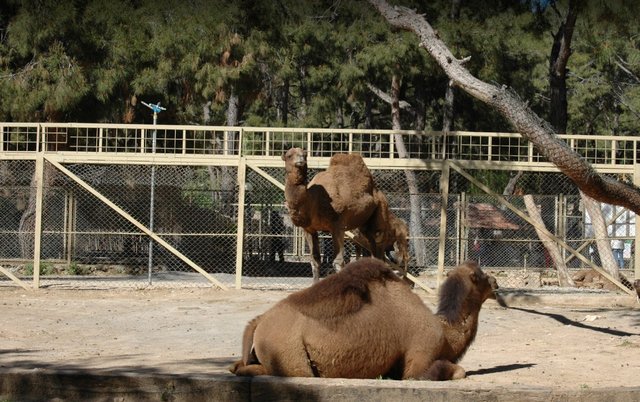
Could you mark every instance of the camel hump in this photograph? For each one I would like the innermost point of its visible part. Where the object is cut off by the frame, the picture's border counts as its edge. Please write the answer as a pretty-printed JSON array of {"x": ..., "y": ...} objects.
[
  {"x": 350, "y": 164},
  {"x": 348, "y": 181},
  {"x": 350, "y": 160},
  {"x": 343, "y": 293}
]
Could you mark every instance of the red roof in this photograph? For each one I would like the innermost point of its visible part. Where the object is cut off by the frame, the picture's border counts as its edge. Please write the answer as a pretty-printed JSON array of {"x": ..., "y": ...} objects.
[{"x": 487, "y": 216}]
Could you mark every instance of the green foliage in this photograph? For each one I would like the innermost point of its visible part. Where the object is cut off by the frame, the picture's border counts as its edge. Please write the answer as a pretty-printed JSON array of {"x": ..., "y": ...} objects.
[
  {"x": 75, "y": 269},
  {"x": 45, "y": 269},
  {"x": 304, "y": 63},
  {"x": 197, "y": 191}
]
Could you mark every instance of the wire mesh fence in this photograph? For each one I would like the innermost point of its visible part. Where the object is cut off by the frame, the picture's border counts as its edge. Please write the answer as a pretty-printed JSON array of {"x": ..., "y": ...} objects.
[{"x": 229, "y": 221}]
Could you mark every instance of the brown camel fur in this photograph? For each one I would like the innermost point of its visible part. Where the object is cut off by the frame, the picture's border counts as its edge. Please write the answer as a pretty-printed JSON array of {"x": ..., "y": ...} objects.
[
  {"x": 335, "y": 200},
  {"x": 364, "y": 322},
  {"x": 394, "y": 236}
]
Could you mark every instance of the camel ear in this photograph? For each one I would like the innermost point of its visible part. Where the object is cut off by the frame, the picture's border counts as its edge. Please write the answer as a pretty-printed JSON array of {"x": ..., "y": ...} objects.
[{"x": 473, "y": 277}]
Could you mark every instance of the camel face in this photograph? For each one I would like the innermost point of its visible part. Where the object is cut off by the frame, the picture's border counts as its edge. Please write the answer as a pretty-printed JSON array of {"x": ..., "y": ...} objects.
[
  {"x": 296, "y": 157},
  {"x": 483, "y": 286}
]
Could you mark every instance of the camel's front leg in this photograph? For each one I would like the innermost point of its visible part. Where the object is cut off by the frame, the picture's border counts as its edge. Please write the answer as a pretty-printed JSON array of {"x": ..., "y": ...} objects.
[
  {"x": 338, "y": 249},
  {"x": 251, "y": 370},
  {"x": 444, "y": 370},
  {"x": 235, "y": 366},
  {"x": 314, "y": 248}
]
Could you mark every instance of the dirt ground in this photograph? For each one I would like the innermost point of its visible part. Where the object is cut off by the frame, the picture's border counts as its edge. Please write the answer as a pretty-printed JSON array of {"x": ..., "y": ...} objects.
[{"x": 591, "y": 343}]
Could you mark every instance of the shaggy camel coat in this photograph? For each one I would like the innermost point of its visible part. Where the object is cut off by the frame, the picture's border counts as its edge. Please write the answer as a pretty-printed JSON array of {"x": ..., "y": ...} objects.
[
  {"x": 364, "y": 322},
  {"x": 335, "y": 200}
]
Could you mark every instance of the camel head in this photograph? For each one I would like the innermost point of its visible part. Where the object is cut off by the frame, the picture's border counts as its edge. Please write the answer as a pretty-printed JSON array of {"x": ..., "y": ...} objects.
[
  {"x": 466, "y": 287},
  {"x": 295, "y": 157}
]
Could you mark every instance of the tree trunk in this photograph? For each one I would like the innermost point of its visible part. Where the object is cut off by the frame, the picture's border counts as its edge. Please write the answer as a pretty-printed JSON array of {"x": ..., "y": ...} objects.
[
  {"x": 282, "y": 108},
  {"x": 560, "y": 53},
  {"x": 28, "y": 218},
  {"x": 602, "y": 238},
  {"x": 415, "y": 222},
  {"x": 420, "y": 106},
  {"x": 227, "y": 179},
  {"x": 449, "y": 96},
  {"x": 447, "y": 118},
  {"x": 523, "y": 119},
  {"x": 368, "y": 112},
  {"x": 564, "y": 279}
]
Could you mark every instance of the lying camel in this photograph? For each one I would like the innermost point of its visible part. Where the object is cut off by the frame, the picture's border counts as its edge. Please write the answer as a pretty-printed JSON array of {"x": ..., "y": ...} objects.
[{"x": 364, "y": 322}]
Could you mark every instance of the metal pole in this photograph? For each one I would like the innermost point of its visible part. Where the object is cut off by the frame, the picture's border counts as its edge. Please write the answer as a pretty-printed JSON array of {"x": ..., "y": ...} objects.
[
  {"x": 156, "y": 109},
  {"x": 151, "y": 201}
]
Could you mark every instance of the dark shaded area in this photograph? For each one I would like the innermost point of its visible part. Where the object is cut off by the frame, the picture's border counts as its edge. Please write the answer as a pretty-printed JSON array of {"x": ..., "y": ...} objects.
[
  {"x": 500, "y": 369},
  {"x": 567, "y": 321}
]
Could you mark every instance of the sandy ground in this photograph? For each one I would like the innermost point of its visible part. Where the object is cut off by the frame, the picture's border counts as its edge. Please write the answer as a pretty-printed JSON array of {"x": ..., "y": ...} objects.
[{"x": 589, "y": 344}]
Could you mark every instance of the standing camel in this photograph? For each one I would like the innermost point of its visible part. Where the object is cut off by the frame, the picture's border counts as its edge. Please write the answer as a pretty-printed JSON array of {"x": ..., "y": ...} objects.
[{"x": 338, "y": 199}]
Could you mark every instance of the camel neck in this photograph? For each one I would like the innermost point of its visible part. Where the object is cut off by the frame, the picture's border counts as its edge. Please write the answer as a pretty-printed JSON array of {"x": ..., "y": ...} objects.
[
  {"x": 295, "y": 193},
  {"x": 460, "y": 334},
  {"x": 297, "y": 177}
]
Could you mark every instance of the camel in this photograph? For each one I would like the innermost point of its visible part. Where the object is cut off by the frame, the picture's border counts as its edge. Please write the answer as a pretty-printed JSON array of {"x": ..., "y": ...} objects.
[
  {"x": 335, "y": 200},
  {"x": 365, "y": 322},
  {"x": 395, "y": 236}
]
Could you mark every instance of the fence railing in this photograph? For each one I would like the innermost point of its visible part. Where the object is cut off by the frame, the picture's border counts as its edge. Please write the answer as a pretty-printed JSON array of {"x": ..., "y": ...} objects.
[{"x": 601, "y": 150}]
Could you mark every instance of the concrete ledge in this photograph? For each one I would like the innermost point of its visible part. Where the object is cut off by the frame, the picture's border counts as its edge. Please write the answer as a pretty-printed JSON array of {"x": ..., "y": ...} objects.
[{"x": 39, "y": 385}]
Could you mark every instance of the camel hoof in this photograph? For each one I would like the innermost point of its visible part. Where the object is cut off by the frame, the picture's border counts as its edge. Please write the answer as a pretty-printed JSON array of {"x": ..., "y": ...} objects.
[{"x": 235, "y": 366}]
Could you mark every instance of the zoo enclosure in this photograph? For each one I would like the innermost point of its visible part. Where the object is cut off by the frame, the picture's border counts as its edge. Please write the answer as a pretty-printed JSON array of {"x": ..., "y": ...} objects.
[{"x": 75, "y": 202}]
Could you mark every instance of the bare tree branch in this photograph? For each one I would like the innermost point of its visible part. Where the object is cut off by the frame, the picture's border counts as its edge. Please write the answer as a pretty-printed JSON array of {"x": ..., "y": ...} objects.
[
  {"x": 387, "y": 98},
  {"x": 524, "y": 120}
]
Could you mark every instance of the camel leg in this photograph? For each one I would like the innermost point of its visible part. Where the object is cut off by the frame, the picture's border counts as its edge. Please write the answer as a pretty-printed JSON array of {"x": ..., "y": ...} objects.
[
  {"x": 251, "y": 370},
  {"x": 414, "y": 369},
  {"x": 235, "y": 366},
  {"x": 444, "y": 370},
  {"x": 314, "y": 248},
  {"x": 338, "y": 249},
  {"x": 377, "y": 252}
]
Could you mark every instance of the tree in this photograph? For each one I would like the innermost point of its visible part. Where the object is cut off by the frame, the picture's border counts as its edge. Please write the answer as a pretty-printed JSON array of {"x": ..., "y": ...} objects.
[
  {"x": 560, "y": 53},
  {"x": 523, "y": 119}
]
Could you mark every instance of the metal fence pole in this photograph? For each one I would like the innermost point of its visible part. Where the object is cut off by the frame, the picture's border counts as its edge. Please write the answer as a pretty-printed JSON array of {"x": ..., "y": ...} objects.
[
  {"x": 37, "y": 230},
  {"x": 636, "y": 254},
  {"x": 444, "y": 191},
  {"x": 156, "y": 109},
  {"x": 242, "y": 182}
]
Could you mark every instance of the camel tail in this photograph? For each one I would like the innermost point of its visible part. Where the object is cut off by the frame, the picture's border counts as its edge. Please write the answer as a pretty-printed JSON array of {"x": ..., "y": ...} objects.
[{"x": 248, "y": 357}]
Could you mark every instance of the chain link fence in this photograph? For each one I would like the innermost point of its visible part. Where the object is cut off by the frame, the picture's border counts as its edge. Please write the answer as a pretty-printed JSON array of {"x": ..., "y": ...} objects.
[{"x": 230, "y": 222}]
